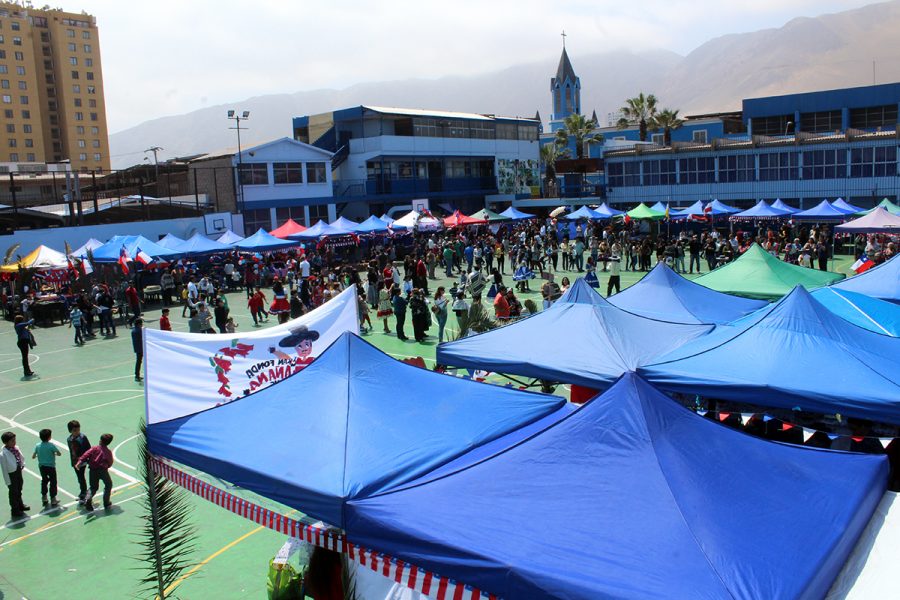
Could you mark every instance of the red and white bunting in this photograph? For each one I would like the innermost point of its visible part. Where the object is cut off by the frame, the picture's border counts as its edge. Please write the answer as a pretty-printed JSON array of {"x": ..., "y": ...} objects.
[
  {"x": 885, "y": 442},
  {"x": 745, "y": 418},
  {"x": 807, "y": 433},
  {"x": 431, "y": 584}
]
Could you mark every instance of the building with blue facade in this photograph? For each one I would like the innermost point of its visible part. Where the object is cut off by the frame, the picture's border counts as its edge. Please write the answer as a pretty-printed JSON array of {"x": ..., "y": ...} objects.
[
  {"x": 386, "y": 157},
  {"x": 565, "y": 89}
]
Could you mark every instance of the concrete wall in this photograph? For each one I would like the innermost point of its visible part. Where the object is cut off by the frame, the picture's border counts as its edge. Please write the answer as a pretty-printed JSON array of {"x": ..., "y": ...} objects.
[{"x": 57, "y": 237}]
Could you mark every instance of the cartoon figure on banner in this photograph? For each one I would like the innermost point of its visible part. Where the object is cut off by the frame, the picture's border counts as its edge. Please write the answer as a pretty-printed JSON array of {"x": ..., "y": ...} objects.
[{"x": 301, "y": 340}]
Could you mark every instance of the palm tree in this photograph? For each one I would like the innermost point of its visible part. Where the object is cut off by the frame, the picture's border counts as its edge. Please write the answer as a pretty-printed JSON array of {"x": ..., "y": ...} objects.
[
  {"x": 550, "y": 153},
  {"x": 582, "y": 129},
  {"x": 640, "y": 111},
  {"x": 667, "y": 120}
]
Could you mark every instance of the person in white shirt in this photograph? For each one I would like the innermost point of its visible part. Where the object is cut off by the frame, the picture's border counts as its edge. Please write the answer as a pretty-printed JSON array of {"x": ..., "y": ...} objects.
[
  {"x": 614, "y": 281},
  {"x": 304, "y": 268}
]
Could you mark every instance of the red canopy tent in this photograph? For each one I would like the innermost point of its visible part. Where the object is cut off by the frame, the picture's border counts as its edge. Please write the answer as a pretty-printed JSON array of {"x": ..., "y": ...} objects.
[
  {"x": 457, "y": 219},
  {"x": 289, "y": 228}
]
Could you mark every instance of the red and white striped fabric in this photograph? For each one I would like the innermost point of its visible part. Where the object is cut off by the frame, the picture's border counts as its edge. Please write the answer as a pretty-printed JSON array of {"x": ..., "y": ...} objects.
[{"x": 431, "y": 584}]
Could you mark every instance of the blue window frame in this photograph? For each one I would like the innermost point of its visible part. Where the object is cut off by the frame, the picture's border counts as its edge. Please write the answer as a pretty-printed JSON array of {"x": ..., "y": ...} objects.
[
  {"x": 632, "y": 173},
  {"x": 824, "y": 164},
  {"x": 697, "y": 170},
  {"x": 737, "y": 168},
  {"x": 659, "y": 172},
  {"x": 880, "y": 161},
  {"x": 779, "y": 166},
  {"x": 615, "y": 172}
]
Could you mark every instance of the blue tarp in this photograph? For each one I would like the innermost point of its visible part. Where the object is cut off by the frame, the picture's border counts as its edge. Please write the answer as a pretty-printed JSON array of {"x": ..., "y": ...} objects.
[
  {"x": 780, "y": 205},
  {"x": 796, "y": 353},
  {"x": 200, "y": 244},
  {"x": 720, "y": 208},
  {"x": 861, "y": 310},
  {"x": 607, "y": 212},
  {"x": 171, "y": 242},
  {"x": 353, "y": 422},
  {"x": 633, "y": 496},
  {"x": 262, "y": 241},
  {"x": 111, "y": 250},
  {"x": 822, "y": 211},
  {"x": 229, "y": 237},
  {"x": 845, "y": 207},
  {"x": 761, "y": 211},
  {"x": 515, "y": 214},
  {"x": 581, "y": 339},
  {"x": 585, "y": 212},
  {"x": 665, "y": 295},
  {"x": 659, "y": 206},
  {"x": 882, "y": 281},
  {"x": 695, "y": 209},
  {"x": 320, "y": 229},
  {"x": 345, "y": 225},
  {"x": 372, "y": 225}
]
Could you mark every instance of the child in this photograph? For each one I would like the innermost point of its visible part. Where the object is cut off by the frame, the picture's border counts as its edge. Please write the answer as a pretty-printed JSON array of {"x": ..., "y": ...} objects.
[
  {"x": 229, "y": 325},
  {"x": 75, "y": 322},
  {"x": 78, "y": 445},
  {"x": 100, "y": 459},
  {"x": 256, "y": 303},
  {"x": 12, "y": 463},
  {"x": 384, "y": 305},
  {"x": 364, "y": 314},
  {"x": 45, "y": 453},
  {"x": 164, "y": 324}
]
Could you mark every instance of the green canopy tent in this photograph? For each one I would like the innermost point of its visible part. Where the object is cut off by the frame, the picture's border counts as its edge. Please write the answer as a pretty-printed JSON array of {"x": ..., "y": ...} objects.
[
  {"x": 885, "y": 204},
  {"x": 758, "y": 274},
  {"x": 642, "y": 211},
  {"x": 489, "y": 216}
]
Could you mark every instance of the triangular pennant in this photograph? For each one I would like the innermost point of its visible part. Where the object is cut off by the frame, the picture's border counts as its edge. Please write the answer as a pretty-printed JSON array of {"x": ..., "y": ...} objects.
[
  {"x": 766, "y": 418},
  {"x": 785, "y": 426},
  {"x": 745, "y": 418},
  {"x": 807, "y": 433},
  {"x": 857, "y": 438},
  {"x": 832, "y": 436},
  {"x": 885, "y": 442},
  {"x": 702, "y": 412},
  {"x": 723, "y": 416}
]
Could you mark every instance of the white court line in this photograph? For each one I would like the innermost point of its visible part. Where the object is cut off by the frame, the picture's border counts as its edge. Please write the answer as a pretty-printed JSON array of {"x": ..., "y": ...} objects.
[
  {"x": 55, "y": 525},
  {"x": 37, "y": 357},
  {"x": 75, "y": 412},
  {"x": 38, "y": 477},
  {"x": 25, "y": 410},
  {"x": 54, "y": 390},
  {"x": 116, "y": 449},
  {"x": 27, "y": 429}
]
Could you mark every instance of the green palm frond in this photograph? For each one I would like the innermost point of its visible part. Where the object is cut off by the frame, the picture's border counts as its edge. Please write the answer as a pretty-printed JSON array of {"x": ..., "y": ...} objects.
[
  {"x": 582, "y": 129},
  {"x": 10, "y": 252},
  {"x": 166, "y": 536},
  {"x": 68, "y": 249}
]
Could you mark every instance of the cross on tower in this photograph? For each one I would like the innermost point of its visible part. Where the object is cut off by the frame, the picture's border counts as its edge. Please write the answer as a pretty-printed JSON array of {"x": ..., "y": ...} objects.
[{"x": 563, "y": 34}]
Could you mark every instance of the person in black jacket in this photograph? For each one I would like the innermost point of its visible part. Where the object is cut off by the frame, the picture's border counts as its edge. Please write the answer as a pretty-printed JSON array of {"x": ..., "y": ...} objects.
[
  {"x": 78, "y": 445},
  {"x": 137, "y": 342},
  {"x": 221, "y": 313}
]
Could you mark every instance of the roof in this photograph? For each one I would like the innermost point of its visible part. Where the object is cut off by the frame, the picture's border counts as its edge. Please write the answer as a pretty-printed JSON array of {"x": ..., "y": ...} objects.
[
  {"x": 564, "y": 70},
  {"x": 882, "y": 281},
  {"x": 633, "y": 496},
  {"x": 231, "y": 151},
  {"x": 342, "y": 427},
  {"x": 442, "y": 114}
]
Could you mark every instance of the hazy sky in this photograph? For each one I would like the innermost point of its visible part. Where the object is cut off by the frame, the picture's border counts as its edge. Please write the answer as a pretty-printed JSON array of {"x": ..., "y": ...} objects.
[{"x": 175, "y": 56}]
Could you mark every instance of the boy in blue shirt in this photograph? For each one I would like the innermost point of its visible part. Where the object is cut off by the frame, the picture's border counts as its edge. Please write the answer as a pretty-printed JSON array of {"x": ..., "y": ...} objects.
[
  {"x": 45, "y": 453},
  {"x": 75, "y": 322}
]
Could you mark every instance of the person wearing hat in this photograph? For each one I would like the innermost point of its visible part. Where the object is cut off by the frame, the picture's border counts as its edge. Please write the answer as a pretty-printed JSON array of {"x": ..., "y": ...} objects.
[
  {"x": 614, "y": 279},
  {"x": 137, "y": 343},
  {"x": 301, "y": 340}
]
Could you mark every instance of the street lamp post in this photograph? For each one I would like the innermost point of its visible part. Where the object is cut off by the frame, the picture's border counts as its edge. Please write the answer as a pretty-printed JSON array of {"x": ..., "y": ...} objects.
[{"x": 233, "y": 114}]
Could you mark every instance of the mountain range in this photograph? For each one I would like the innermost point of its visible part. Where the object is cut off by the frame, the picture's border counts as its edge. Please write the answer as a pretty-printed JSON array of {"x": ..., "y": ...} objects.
[{"x": 851, "y": 48}]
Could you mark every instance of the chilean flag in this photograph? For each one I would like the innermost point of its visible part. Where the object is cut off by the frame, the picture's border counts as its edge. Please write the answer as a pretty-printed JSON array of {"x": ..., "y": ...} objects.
[
  {"x": 123, "y": 260},
  {"x": 863, "y": 264},
  {"x": 143, "y": 257},
  {"x": 86, "y": 267}
]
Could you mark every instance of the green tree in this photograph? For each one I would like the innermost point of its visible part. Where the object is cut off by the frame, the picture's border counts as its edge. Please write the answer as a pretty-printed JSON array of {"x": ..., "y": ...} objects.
[
  {"x": 582, "y": 129},
  {"x": 667, "y": 120},
  {"x": 640, "y": 111},
  {"x": 550, "y": 153}
]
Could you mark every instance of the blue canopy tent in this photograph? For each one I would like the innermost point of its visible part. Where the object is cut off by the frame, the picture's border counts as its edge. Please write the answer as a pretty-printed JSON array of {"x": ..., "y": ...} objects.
[
  {"x": 660, "y": 206},
  {"x": 882, "y": 281},
  {"x": 861, "y": 310},
  {"x": 607, "y": 211},
  {"x": 695, "y": 209},
  {"x": 795, "y": 353},
  {"x": 515, "y": 214},
  {"x": 200, "y": 244},
  {"x": 823, "y": 211},
  {"x": 353, "y": 422},
  {"x": 633, "y": 496},
  {"x": 580, "y": 339},
  {"x": 779, "y": 205},
  {"x": 262, "y": 242},
  {"x": 229, "y": 237},
  {"x": 319, "y": 230},
  {"x": 373, "y": 225},
  {"x": 171, "y": 242},
  {"x": 845, "y": 207},
  {"x": 720, "y": 208},
  {"x": 585, "y": 212},
  {"x": 345, "y": 225},
  {"x": 761, "y": 211},
  {"x": 111, "y": 250},
  {"x": 665, "y": 295}
]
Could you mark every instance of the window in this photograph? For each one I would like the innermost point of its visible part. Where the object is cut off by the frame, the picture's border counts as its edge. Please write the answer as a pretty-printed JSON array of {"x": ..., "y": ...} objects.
[
  {"x": 15, "y": 26},
  {"x": 97, "y": 157},
  {"x": 54, "y": 133},
  {"x": 73, "y": 47},
  {"x": 632, "y": 175},
  {"x": 14, "y": 156},
  {"x": 73, "y": 60},
  {"x": 507, "y": 131},
  {"x": 92, "y": 103},
  {"x": 697, "y": 170},
  {"x": 255, "y": 174},
  {"x": 873, "y": 162},
  {"x": 95, "y": 143},
  {"x": 615, "y": 174},
  {"x": 4, "y": 83},
  {"x": 886, "y": 161},
  {"x": 12, "y": 142},
  {"x": 26, "y": 128},
  {"x": 78, "y": 102},
  {"x": 48, "y": 78},
  {"x": 778, "y": 166},
  {"x": 29, "y": 143},
  {"x": 17, "y": 41},
  {"x": 19, "y": 56},
  {"x": 79, "y": 129},
  {"x": 90, "y": 75},
  {"x": 254, "y": 219},
  {"x": 87, "y": 48},
  {"x": 23, "y": 85},
  {"x": 699, "y": 136},
  {"x": 4, "y": 69},
  {"x": 26, "y": 114},
  {"x": 54, "y": 120},
  {"x": 45, "y": 37},
  {"x": 483, "y": 130},
  {"x": 286, "y": 172},
  {"x": 93, "y": 116},
  {"x": 94, "y": 130},
  {"x": 79, "y": 116},
  {"x": 873, "y": 117},
  {"x": 7, "y": 99},
  {"x": 528, "y": 133},
  {"x": 821, "y": 122},
  {"x": 315, "y": 172},
  {"x": 70, "y": 33},
  {"x": 1, "y": 39},
  {"x": 91, "y": 89},
  {"x": 658, "y": 138},
  {"x": 76, "y": 89},
  {"x": 8, "y": 113},
  {"x": 20, "y": 71},
  {"x": 82, "y": 144},
  {"x": 89, "y": 62},
  {"x": 82, "y": 156},
  {"x": 85, "y": 35},
  {"x": 737, "y": 168},
  {"x": 3, "y": 54},
  {"x": 772, "y": 125},
  {"x": 23, "y": 99},
  {"x": 74, "y": 74},
  {"x": 10, "y": 128},
  {"x": 30, "y": 156},
  {"x": 659, "y": 172},
  {"x": 824, "y": 164},
  {"x": 457, "y": 169}
]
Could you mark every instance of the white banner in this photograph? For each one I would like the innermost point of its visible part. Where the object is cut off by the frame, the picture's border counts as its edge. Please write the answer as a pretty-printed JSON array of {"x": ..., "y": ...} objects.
[{"x": 190, "y": 372}]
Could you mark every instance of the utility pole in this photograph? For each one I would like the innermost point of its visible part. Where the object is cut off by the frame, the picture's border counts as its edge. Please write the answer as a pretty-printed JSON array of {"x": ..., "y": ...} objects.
[
  {"x": 233, "y": 114},
  {"x": 154, "y": 150}
]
